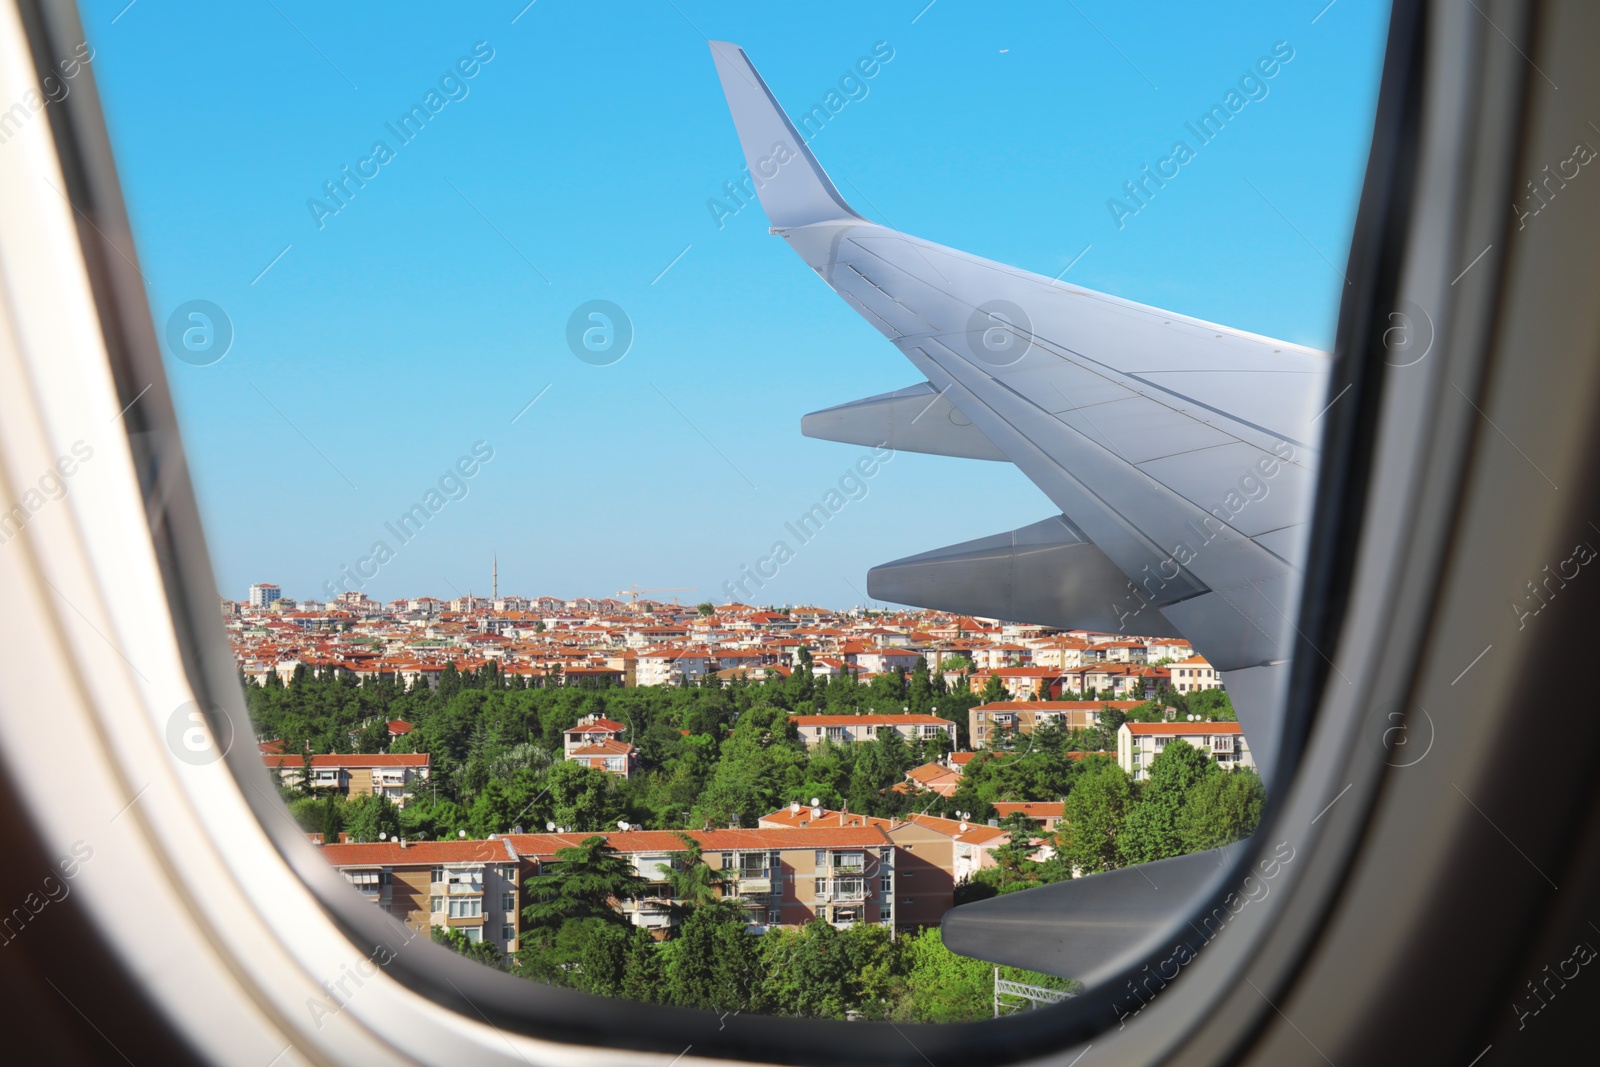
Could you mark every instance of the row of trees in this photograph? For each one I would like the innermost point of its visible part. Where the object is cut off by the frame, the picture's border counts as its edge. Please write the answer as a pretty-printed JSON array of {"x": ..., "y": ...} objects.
[{"x": 710, "y": 754}]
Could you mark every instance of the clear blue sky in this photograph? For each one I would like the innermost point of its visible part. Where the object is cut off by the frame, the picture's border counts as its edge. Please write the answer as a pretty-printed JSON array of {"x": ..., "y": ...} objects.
[{"x": 408, "y": 327}]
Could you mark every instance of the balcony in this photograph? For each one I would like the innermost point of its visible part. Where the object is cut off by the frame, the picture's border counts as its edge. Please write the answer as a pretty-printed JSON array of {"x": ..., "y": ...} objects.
[
  {"x": 755, "y": 886},
  {"x": 459, "y": 889}
]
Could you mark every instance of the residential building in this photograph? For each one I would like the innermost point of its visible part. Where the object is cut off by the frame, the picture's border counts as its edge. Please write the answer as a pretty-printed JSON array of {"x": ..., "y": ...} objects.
[
  {"x": 1138, "y": 744},
  {"x": 597, "y": 742},
  {"x": 814, "y": 729},
  {"x": 471, "y": 886},
  {"x": 263, "y": 595},
  {"x": 1194, "y": 674},
  {"x": 1047, "y": 813},
  {"x": 1022, "y": 717},
  {"x": 388, "y": 775},
  {"x": 781, "y": 877}
]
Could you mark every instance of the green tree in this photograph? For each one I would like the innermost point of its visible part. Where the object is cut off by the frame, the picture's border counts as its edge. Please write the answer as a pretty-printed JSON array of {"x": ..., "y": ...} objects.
[
  {"x": 713, "y": 962},
  {"x": 1152, "y": 831},
  {"x": 483, "y": 952},
  {"x": 581, "y": 883},
  {"x": 693, "y": 882},
  {"x": 367, "y": 817},
  {"x": 1093, "y": 817},
  {"x": 1220, "y": 809}
]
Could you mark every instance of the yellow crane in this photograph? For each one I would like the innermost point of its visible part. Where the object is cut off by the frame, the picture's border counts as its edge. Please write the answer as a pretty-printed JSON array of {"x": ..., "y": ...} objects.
[{"x": 633, "y": 591}]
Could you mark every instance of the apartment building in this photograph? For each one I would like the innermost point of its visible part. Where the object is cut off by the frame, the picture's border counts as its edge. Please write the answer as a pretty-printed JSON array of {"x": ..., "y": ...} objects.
[
  {"x": 1047, "y": 813},
  {"x": 931, "y": 856},
  {"x": 355, "y": 775},
  {"x": 1022, "y": 717},
  {"x": 842, "y": 874},
  {"x": 814, "y": 729},
  {"x": 668, "y": 666},
  {"x": 471, "y": 886},
  {"x": 263, "y": 595},
  {"x": 1138, "y": 744},
  {"x": 1194, "y": 674}
]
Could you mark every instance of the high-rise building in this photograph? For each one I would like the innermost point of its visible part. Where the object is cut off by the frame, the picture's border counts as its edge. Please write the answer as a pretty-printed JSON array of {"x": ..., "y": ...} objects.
[{"x": 262, "y": 594}]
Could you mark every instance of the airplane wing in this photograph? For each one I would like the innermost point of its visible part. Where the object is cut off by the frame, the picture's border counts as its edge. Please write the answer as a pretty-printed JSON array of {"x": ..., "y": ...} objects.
[{"x": 1179, "y": 453}]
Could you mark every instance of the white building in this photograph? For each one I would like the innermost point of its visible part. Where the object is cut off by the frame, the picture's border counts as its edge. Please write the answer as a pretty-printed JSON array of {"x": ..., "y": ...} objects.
[
  {"x": 1194, "y": 674},
  {"x": 1138, "y": 744},
  {"x": 264, "y": 594},
  {"x": 814, "y": 729}
]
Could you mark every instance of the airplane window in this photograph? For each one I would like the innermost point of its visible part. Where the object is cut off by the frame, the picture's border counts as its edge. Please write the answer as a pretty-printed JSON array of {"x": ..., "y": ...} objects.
[{"x": 489, "y": 328}]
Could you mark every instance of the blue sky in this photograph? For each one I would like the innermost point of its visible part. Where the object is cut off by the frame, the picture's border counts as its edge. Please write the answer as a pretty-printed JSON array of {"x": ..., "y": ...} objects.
[{"x": 575, "y": 165}]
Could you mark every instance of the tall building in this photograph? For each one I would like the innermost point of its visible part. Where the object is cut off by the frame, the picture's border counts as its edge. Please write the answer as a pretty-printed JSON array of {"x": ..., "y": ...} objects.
[{"x": 262, "y": 594}]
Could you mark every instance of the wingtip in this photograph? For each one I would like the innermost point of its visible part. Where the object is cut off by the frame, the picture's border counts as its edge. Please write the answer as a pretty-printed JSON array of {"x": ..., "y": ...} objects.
[{"x": 793, "y": 193}]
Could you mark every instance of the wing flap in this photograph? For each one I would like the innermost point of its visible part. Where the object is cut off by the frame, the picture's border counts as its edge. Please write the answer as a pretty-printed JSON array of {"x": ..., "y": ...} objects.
[
  {"x": 918, "y": 419},
  {"x": 1048, "y": 572}
]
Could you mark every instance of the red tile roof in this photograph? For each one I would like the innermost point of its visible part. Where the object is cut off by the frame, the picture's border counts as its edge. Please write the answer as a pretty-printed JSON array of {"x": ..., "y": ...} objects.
[
  {"x": 392, "y": 853},
  {"x": 608, "y": 747},
  {"x": 868, "y": 720},
  {"x": 546, "y": 845},
  {"x": 1058, "y": 705},
  {"x": 788, "y": 817},
  {"x": 1192, "y": 729},
  {"x": 376, "y": 759},
  {"x": 1034, "y": 809}
]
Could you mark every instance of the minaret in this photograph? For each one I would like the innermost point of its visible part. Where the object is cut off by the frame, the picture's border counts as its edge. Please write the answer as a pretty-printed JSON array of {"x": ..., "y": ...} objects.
[{"x": 496, "y": 583}]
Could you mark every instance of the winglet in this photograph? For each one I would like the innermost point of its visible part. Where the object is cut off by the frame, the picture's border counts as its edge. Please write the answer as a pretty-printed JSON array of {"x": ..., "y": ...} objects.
[{"x": 793, "y": 188}]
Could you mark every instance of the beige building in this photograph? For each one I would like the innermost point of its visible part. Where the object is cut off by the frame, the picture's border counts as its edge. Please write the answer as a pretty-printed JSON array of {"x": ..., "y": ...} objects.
[
  {"x": 392, "y": 776},
  {"x": 1024, "y": 716},
  {"x": 842, "y": 874},
  {"x": 471, "y": 886},
  {"x": 1138, "y": 744},
  {"x": 1194, "y": 674},
  {"x": 814, "y": 729}
]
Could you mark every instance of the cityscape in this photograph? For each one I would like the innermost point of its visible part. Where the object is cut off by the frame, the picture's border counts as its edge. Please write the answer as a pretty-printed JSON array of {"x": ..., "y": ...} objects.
[{"x": 692, "y": 803}]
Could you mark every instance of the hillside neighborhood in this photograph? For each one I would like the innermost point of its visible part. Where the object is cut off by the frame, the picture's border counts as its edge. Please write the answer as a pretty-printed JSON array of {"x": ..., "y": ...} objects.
[{"x": 476, "y": 767}]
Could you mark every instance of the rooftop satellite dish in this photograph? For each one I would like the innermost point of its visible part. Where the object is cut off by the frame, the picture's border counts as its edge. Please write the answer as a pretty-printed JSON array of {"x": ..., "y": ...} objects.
[
  {"x": 794, "y": 808},
  {"x": 382, "y": 836},
  {"x": 963, "y": 826},
  {"x": 550, "y": 826},
  {"x": 461, "y": 833},
  {"x": 816, "y": 801},
  {"x": 622, "y": 824}
]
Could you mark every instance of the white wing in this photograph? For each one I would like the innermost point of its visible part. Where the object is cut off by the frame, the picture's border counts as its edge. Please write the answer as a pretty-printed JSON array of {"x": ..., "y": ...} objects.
[{"x": 1179, "y": 452}]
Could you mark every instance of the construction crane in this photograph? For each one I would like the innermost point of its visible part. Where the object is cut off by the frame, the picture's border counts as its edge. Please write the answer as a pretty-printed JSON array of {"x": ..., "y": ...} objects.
[{"x": 633, "y": 591}]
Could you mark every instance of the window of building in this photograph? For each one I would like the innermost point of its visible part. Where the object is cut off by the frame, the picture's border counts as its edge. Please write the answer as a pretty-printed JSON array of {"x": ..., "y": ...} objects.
[
  {"x": 727, "y": 861},
  {"x": 466, "y": 907},
  {"x": 508, "y": 933},
  {"x": 774, "y": 916},
  {"x": 821, "y": 858},
  {"x": 821, "y": 889},
  {"x": 436, "y": 905},
  {"x": 474, "y": 933},
  {"x": 508, "y": 901},
  {"x": 436, "y": 875}
]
